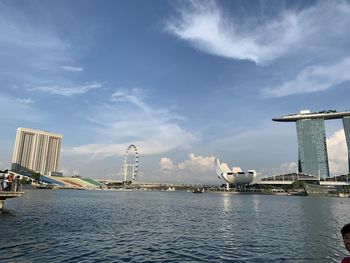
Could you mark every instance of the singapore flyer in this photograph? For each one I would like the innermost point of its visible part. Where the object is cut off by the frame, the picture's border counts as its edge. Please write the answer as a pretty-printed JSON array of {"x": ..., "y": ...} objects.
[{"x": 130, "y": 164}]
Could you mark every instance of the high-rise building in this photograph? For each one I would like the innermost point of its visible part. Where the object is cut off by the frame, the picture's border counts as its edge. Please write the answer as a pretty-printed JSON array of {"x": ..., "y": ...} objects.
[
  {"x": 312, "y": 150},
  {"x": 346, "y": 125},
  {"x": 36, "y": 151},
  {"x": 312, "y": 146}
]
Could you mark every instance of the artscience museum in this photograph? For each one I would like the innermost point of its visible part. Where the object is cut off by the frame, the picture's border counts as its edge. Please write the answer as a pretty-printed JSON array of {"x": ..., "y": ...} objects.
[{"x": 234, "y": 176}]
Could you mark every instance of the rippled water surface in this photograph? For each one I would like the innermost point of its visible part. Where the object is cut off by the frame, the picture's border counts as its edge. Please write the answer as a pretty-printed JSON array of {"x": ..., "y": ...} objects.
[{"x": 111, "y": 226}]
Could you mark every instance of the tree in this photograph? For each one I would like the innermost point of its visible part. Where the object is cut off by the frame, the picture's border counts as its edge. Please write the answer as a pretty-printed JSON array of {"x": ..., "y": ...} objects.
[
  {"x": 297, "y": 184},
  {"x": 36, "y": 176}
]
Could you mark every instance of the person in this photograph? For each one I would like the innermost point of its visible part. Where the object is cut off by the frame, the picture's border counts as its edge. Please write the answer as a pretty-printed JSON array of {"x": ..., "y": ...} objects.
[
  {"x": 9, "y": 182},
  {"x": 345, "y": 231},
  {"x": 2, "y": 178},
  {"x": 5, "y": 183},
  {"x": 16, "y": 183}
]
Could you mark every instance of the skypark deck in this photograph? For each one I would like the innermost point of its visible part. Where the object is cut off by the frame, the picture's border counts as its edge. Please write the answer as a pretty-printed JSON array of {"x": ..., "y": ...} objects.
[{"x": 326, "y": 115}]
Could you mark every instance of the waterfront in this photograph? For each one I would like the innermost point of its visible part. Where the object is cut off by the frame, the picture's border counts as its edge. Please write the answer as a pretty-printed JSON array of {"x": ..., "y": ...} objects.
[{"x": 116, "y": 226}]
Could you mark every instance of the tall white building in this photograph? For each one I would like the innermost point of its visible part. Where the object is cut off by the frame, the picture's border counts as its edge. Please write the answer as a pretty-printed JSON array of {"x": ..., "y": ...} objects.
[{"x": 36, "y": 151}]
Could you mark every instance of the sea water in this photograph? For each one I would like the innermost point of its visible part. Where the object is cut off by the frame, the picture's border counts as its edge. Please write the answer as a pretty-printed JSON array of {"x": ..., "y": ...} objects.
[{"x": 116, "y": 226}]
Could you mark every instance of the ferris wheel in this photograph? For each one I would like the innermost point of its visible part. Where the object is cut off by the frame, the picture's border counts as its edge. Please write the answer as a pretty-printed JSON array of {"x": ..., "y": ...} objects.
[{"x": 130, "y": 165}]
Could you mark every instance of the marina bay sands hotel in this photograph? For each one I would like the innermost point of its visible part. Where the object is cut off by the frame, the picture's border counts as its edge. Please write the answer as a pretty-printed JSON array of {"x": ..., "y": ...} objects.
[{"x": 311, "y": 134}]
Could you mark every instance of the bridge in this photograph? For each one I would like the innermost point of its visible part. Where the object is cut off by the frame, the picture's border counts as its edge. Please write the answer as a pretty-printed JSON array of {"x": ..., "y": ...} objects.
[
  {"x": 330, "y": 183},
  {"x": 288, "y": 179},
  {"x": 326, "y": 183}
]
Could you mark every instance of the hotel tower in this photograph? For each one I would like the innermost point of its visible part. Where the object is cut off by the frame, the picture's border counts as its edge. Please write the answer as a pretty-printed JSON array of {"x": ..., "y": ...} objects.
[
  {"x": 36, "y": 151},
  {"x": 312, "y": 147}
]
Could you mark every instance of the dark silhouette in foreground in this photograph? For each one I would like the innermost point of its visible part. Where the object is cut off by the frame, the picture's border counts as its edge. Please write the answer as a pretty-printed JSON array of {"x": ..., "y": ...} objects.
[{"x": 345, "y": 231}]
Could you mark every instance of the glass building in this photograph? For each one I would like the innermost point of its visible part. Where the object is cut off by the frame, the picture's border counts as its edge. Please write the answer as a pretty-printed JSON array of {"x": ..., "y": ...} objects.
[
  {"x": 312, "y": 148},
  {"x": 346, "y": 125}
]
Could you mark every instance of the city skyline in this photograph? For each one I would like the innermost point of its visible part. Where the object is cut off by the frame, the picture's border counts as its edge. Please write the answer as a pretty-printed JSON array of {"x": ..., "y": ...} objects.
[
  {"x": 183, "y": 81},
  {"x": 312, "y": 144}
]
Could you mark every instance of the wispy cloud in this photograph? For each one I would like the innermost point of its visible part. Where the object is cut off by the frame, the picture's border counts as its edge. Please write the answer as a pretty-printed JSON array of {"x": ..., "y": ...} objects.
[
  {"x": 25, "y": 101},
  {"x": 313, "y": 78},
  {"x": 69, "y": 90},
  {"x": 33, "y": 54},
  {"x": 72, "y": 69},
  {"x": 320, "y": 32},
  {"x": 205, "y": 26},
  {"x": 133, "y": 96},
  {"x": 129, "y": 119},
  {"x": 13, "y": 109},
  {"x": 26, "y": 47}
]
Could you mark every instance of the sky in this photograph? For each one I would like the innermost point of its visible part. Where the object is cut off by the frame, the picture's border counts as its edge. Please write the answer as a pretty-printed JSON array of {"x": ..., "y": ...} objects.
[{"x": 184, "y": 81}]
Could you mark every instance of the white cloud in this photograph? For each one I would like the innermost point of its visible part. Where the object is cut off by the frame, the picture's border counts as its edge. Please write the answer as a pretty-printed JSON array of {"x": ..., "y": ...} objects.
[
  {"x": 291, "y": 167},
  {"x": 314, "y": 78},
  {"x": 130, "y": 120},
  {"x": 72, "y": 69},
  {"x": 166, "y": 165},
  {"x": 337, "y": 153},
  {"x": 193, "y": 165},
  {"x": 197, "y": 163},
  {"x": 69, "y": 90},
  {"x": 205, "y": 26},
  {"x": 25, "y": 101},
  {"x": 196, "y": 169}
]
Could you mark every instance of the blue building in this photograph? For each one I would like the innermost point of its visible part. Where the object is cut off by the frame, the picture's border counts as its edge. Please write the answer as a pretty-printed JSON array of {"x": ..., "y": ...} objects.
[{"x": 311, "y": 134}]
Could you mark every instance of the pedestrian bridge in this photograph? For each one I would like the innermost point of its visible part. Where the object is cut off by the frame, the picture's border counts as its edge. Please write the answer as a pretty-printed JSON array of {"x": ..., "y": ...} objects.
[
  {"x": 279, "y": 182},
  {"x": 276, "y": 182},
  {"x": 334, "y": 183},
  {"x": 287, "y": 179}
]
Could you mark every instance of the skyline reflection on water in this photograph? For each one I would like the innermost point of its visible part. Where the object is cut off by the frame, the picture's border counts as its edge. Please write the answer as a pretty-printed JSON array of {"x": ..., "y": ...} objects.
[{"x": 114, "y": 226}]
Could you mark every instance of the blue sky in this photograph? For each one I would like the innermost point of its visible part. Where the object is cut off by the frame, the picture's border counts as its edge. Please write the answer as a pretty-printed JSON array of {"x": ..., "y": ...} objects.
[{"x": 185, "y": 81}]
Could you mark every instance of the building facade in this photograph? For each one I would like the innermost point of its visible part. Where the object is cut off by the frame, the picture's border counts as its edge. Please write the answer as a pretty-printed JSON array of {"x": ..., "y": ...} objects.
[
  {"x": 36, "y": 151},
  {"x": 346, "y": 125},
  {"x": 312, "y": 146}
]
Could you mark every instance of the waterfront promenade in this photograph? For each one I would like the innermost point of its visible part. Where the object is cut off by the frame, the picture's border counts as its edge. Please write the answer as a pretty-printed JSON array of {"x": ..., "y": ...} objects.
[{"x": 6, "y": 195}]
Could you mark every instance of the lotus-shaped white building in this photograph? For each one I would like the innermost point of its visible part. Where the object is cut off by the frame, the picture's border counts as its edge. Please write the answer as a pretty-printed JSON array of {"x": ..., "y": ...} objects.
[{"x": 235, "y": 176}]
